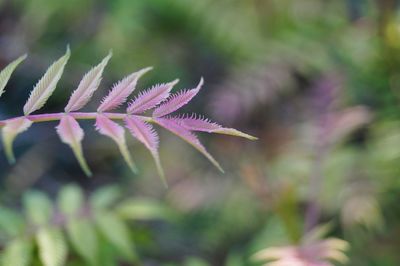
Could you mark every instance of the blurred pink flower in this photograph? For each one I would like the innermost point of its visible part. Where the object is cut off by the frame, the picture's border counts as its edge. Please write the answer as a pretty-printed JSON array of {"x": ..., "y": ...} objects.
[{"x": 317, "y": 253}]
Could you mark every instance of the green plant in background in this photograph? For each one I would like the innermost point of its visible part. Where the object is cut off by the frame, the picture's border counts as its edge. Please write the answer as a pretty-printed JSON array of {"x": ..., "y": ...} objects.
[{"x": 89, "y": 231}]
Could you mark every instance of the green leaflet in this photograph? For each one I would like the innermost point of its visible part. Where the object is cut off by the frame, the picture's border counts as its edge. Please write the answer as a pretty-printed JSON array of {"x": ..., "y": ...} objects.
[
  {"x": 115, "y": 230},
  {"x": 10, "y": 131},
  {"x": 5, "y": 74},
  {"x": 52, "y": 246},
  {"x": 83, "y": 238},
  {"x": 141, "y": 209},
  {"x": 70, "y": 200},
  {"x": 38, "y": 207},
  {"x": 46, "y": 85},
  {"x": 17, "y": 253},
  {"x": 104, "y": 197}
]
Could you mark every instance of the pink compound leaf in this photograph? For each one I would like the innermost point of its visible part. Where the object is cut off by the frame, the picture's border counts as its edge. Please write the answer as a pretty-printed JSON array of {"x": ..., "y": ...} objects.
[
  {"x": 146, "y": 134},
  {"x": 72, "y": 134},
  {"x": 121, "y": 91},
  {"x": 109, "y": 128},
  {"x": 177, "y": 100},
  {"x": 150, "y": 98},
  {"x": 88, "y": 85},
  {"x": 174, "y": 127}
]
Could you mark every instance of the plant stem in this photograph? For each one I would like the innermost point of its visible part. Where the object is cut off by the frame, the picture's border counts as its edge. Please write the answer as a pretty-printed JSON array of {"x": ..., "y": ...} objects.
[{"x": 77, "y": 115}]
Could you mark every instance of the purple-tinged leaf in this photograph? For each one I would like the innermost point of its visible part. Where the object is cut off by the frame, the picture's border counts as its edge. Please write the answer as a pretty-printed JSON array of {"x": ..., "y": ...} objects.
[
  {"x": 177, "y": 100},
  {"x": 9, "y": 133},
  {"x": 72, "y": 134},
  {"x": 46, "y": 85},
  {"x": 174, "y": 127},
  {"x": 5, "y": 74},
  {"x": 88, "y": 85},
  {"x": 194, "y": 123},
  {"x": 121, "y": 91},
  {"x": 146, "y": 134},
  {"x": 150, "y": 98},
  {"x": 109, "y": 128}
]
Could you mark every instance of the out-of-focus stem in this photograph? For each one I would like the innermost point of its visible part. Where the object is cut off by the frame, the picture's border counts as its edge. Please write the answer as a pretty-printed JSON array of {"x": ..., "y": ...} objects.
[{"x": 314, "y": 209}]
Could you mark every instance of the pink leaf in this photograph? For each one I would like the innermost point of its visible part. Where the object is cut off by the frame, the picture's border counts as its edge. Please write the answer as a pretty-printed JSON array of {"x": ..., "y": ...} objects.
[
  {"x": 194, "y": 123},
  {"x": 150, "y": 98},
  {"x": 121, "y": 90},
  {"x": 176, "y": 101},
  {"x": 72, "y": 134},
  {"x": 188, "y": 136},
  {"x": 146, "y": 134},
  {"x": 88, "y": 85},
  {"x": 109, "y": 128}
]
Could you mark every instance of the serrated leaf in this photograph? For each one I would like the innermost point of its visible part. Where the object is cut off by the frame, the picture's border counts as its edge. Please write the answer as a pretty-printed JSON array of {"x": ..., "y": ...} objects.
[
  {"x": 174, "y": 127},
  {"x": 198, "y": 123},
  {"x": 150, "y": 98},
  {"x": 84, "y": 240},
  {"x": 46, "y": 85},
  {"x": 88, "y": 85},
  {"x": 109, "y": 128},
  {"x": 72, "y": 134},
  {"x": 10, "y": 131},
  {"x": 70, "y": 200},
  {"x": 52, "y": 246},
  {"x": 38, "y": 207},
  {"x": 117, "y": 233},
  {"x": 146, "y": 134},
  {"x": 121, "y": 91},
  {"x": 177, "y": 100},
  {"x": 17, "y": 253},
  {"x": 104, "y": 197},
  {"x": 5, "y": 74}
]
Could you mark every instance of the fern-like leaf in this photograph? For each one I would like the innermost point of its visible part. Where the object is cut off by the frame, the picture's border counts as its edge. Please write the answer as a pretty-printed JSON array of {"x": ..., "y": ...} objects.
[
  {"x": 121, "y": 90},
  {"x": 177, "y": 100},
  {"x": 46, "y": 85},
  {"x": 5, "y": 74},
  {"x": 196, "y": 123},
  {"x": 146, "y": 134},
  {"x": 150, "y": 98},
  {"x": 88, "y": 85},
  {"x": 9, "y": 133},
  {"x": 72, "y": 134},
  {"x": 109, "y": 128},
  {"x": 174, "y": 127}
]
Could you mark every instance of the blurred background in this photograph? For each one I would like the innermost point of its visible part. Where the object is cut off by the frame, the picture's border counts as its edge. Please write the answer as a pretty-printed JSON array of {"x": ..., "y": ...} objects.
[{"x": 317, "y": 81}]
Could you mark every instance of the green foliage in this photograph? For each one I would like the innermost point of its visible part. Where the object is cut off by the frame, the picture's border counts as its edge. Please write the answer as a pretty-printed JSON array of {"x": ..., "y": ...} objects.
[{"x": 87, "y": 227}]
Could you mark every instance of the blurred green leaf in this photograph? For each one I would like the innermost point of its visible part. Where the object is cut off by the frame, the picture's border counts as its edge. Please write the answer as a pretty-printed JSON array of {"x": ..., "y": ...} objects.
[
  {"x": 38, "y": 207},
  {"x": 142, "y": 209},
  {"x": 115, "y": 230},
  {"x": 70, "y": 200},
  {"x": 10, "y": 222},
  {"x": 105, "y": 197},
  {"x": 84, "y": 239},
  {"x": 17, "y": 253},
  {"x": 52, "y": 246}
]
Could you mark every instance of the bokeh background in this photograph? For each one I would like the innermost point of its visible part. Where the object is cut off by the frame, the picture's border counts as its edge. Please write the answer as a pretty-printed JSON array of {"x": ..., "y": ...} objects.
[{"x": 317, "y": 81}]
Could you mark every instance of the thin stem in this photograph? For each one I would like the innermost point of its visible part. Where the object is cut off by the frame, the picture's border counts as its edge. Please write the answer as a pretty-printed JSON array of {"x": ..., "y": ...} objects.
[{"x": 77, "y": 115}]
